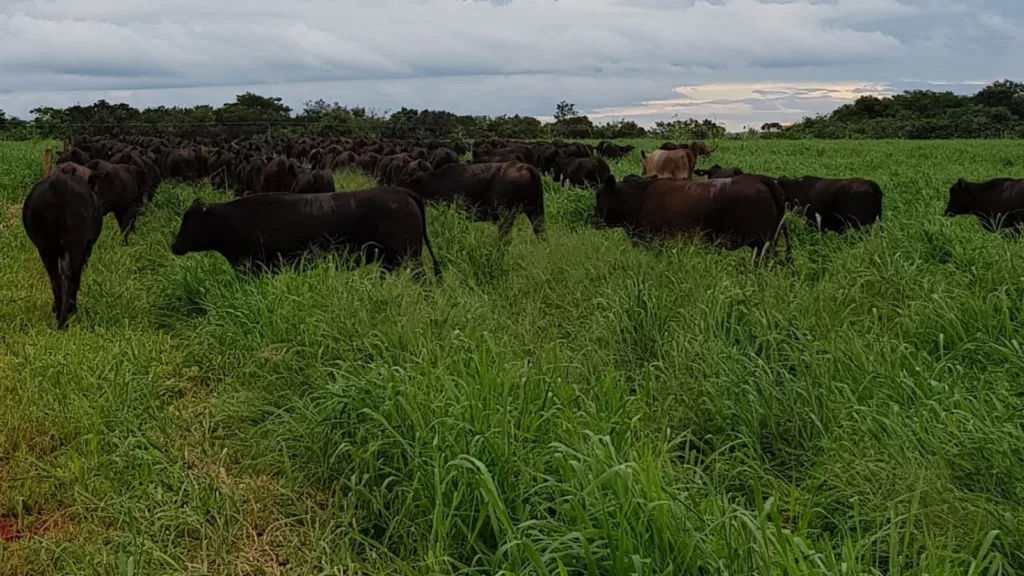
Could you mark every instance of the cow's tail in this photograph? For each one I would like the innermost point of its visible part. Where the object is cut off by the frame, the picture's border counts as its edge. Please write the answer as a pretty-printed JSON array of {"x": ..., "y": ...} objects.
[
  {"x": 779, "y": 199},
  {"x": 59, "y": 209},
  {"x": 426, "y": 237}
]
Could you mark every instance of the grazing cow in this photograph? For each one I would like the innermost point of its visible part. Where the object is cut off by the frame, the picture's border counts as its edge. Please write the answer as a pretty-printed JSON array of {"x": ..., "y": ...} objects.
[
  {"x": 368, "y": 163},
  {"x": 746, "y": 211},
  {"x": 184, "y": 164},
  {"x": 119, "y": 193},
  {"x": 493, "y": 192},
  {"x": 576, "y": 150},
  {"x": 612, "y": 150},
  {"x": 409, "y": 172},
  {"x": 442, "y": 157},
  {"x": 838, "y": 204},
  {"x": 343, "y": 161},
  {"x": 997, "y": 203},
  {"x": 279, "y": 176},
  {"x": 391, "y": 167},
  {"x": 251, "y": 181},
  {"x": 499, "y": 159},
  {"x": 677, "y": 164},
  {"x": 493, "y": 156},
  {"x": 386, "y": 225},
  {"x": 717, "y": 171},
  {"x": 546, "y": 158},
  {"x": 149, "y": 173},
  {"x": 63, "y": 218},
  {"x": 582, "y": 172},
  {"x": 314, "y": 182}
]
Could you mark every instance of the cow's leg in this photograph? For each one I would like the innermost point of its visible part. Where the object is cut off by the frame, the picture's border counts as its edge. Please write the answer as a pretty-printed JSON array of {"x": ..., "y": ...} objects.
[
  {"x": 126, "y": 222},
  {"x": 51, "y": 262},
  {"x": 74, "y": 264},
  {"x": 536, "y": 217},
  {"x": 505, "y": 223}
]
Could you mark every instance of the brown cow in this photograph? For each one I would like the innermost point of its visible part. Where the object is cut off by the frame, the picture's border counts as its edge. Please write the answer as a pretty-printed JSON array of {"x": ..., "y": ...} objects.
[
  {"x": 493, "y": 192},
  {"x": 676, "y": 164},
  {"x": 746, "y": 211}
]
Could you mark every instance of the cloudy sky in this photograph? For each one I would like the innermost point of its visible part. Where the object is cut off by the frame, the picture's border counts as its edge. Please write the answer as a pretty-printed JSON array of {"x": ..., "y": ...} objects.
[{"x": 743, "y": 62}]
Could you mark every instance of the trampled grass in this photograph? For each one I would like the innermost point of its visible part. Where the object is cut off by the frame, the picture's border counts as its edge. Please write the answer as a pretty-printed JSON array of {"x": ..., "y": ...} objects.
[{"x": 570, "y": 406}]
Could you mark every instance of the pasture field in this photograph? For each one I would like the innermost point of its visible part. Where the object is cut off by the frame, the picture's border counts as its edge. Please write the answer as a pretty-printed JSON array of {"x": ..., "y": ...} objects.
[{"x": 577, "y": 405}]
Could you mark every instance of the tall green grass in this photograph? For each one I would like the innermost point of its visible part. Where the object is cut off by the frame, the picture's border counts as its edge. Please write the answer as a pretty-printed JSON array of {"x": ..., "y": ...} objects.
[{"x": 570, "y": 406}]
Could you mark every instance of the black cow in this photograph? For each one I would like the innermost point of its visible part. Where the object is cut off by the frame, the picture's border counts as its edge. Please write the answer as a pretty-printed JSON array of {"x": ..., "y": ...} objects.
[
  {"x": 119, "y": 193},
  {"x": 184, "y": 164},
  {"x": 76, "y": 156},
  {"x": 63, "y": 218},
  {"x": 149, "y": 177},
  {"x": 612, "y": 150},
  {"x": 998, "y": 203},
  {"x": 382, "y": 224},
  {"x": 746, "y": 211},
  {"x": 442, "y": 157},
  {"x": 251, "y": 179},
  {"x": 314, "y": 182},
  {"x": 582, "y": 172},
  {"x": 368, "y": 163},
  {"x": 279, "y": 175},
  {"x": 717, "y": 171},
  {"x": 838, "y": 204},
  {"x": 493, "y": 192}
]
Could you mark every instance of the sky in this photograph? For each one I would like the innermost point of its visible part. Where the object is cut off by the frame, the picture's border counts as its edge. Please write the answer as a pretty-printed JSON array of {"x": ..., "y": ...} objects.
[{"x": 740, "y": 62}]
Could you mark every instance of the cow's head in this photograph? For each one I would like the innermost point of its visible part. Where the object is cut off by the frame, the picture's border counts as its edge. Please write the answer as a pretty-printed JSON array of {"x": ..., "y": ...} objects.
[
  {"x": 194, "y": 234},
  {"x": 959, "y": 198}
]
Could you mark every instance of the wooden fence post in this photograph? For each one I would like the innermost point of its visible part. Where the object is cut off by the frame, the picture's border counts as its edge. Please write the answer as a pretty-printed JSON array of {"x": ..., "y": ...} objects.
[{"x": 47, "y": 162}]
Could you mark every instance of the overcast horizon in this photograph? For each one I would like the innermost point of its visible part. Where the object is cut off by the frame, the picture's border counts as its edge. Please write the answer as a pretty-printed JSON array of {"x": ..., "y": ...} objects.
[{"x": 741, "y": 62}]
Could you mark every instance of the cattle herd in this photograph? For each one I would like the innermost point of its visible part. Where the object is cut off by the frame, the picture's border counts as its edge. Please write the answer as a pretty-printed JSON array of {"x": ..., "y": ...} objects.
[{"x": 285, "y": 203}]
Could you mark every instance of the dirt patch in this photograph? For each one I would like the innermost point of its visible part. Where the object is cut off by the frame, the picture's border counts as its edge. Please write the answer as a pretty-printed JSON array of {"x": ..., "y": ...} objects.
[{"x": 55, "y": 526}]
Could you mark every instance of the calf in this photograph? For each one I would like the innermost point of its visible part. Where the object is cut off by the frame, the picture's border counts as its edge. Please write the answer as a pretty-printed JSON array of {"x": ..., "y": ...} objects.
[
  {"x": 314, "y": 182},
  {"x": 998, "y": 203},
  {"x": 837, "y": 204},
  {"x": 746, "y": 211},
  {"x": 63, "y": 218},
  {"x": 677, "y": 164},
  {"x": 493, "y": 192},
  {"x": 381, "y": 224}
]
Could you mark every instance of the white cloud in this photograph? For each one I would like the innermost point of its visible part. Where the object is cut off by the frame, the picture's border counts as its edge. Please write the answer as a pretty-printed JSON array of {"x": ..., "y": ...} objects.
[{"x": 516, "y": 56}]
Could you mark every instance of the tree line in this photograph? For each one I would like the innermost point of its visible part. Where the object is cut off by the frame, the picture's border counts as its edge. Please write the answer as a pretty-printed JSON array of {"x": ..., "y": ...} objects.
[
  {"x": 995, "y": 111},
  {"x": 251, "y": 115}
]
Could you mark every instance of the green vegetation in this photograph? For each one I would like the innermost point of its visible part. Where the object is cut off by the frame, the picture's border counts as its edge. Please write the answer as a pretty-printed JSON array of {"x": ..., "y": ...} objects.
[
  {"x": 995, "y": 111},
  {"x": 572, "y": 406}
]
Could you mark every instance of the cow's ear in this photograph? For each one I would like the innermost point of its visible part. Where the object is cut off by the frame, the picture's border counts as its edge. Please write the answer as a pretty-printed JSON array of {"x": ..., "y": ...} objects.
[
  {"x": 960, "y": 183},
  {"x": 198, "y": 205},
  {"x": 643, "y": 155},
  {"x": 609, "y": 182}
]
